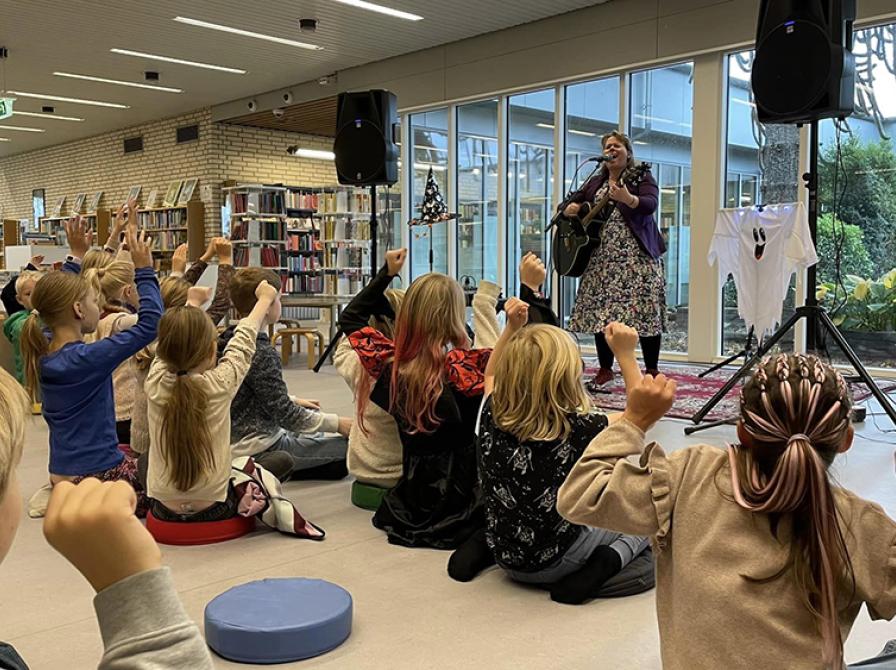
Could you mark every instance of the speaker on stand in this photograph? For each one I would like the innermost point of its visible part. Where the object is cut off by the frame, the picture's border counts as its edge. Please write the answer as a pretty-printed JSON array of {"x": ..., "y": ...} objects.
[{"x": 366, "y": 155}]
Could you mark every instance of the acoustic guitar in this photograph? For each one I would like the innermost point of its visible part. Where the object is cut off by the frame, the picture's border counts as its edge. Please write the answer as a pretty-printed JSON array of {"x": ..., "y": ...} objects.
[{"x": 576, "y": 237}]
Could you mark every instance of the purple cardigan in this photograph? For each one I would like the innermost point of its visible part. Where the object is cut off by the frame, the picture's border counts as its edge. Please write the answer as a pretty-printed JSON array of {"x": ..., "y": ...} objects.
[{"x": 640, "y": 220}]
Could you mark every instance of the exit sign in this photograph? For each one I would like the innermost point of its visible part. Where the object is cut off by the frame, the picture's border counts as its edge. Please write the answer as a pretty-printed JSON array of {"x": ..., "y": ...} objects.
[{"x": 6, "y": 107}]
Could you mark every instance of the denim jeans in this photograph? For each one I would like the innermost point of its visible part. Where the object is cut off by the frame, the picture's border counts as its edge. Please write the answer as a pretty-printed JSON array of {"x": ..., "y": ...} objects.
[{"x": 312, "y": 449}]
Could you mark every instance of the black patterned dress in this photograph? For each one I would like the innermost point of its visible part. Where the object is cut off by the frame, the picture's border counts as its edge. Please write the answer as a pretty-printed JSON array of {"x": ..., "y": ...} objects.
[{"x": 621, "y": 283}]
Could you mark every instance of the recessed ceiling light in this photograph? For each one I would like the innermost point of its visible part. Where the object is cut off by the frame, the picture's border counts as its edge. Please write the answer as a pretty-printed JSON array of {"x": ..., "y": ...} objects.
[
  {"x": 4, "y": 139},
  {"x": 582, "y": 132},
  {"x": 246, "y": 33},
  {"x": 362, "y": 4},
  {"x": 23, "y": 129},
  {"x": 78, "y": 101},
  {"x": 41, "y": 115},
  {"x": 312, "y": 153},
  {"x": 167, "y": 89},
  {"x": 549, "y": 126},
  {"x": 179, "y": 61}
]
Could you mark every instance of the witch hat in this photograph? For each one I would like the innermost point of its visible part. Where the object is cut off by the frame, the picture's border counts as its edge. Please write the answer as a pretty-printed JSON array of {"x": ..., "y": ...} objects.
[{"x": 433, "y": 210}]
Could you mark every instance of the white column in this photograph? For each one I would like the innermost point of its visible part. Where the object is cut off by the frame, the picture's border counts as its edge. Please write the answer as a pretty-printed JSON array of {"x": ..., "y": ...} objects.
[
  {"x": 407, "y": 176},
  {"x": 558, "y": 186},
  {"x": 502, "y": 195},
  {"x": 451, "y": 226}
]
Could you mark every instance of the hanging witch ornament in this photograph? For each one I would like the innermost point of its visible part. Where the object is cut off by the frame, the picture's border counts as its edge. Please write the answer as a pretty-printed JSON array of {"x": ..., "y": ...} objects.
[{"x": 432, "y": 211}]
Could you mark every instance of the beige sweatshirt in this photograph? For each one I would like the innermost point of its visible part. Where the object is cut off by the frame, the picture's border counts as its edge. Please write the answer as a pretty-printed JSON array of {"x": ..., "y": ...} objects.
[
  {"x": 220, "y": 383},
  {"x": 124, "y": 377},
  {"x": 709, "y": 615}
]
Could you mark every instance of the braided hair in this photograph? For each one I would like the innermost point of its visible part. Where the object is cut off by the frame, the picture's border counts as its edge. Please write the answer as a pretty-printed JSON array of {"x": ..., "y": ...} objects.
[{"x": 796, "y": 409}]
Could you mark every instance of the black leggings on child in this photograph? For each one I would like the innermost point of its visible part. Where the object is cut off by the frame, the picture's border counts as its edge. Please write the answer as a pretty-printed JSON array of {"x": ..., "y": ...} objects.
[{"x": 650, "y": 350}]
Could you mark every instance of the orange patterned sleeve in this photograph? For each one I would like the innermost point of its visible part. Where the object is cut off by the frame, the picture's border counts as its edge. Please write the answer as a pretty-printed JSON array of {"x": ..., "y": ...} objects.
[
  {"x": 374, "y": 349},
  {"x": 466, "y": 370}
]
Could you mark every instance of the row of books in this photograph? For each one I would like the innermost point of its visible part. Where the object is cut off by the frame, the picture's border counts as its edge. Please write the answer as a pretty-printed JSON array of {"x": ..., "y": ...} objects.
[
  {"x": 327, "y": 201},
  {"x": 258, "y": 202},
  {"x": 344, "y": 257},
  {"x": 303, "y": 284},
  {"x": 255, "y": 230},
  {"x": 346, "y": 229},
  {"x": 168, "y": 240},
  {"x": 169, "y": 218},
  {"x": 266, "y": 256},
  {"x": 295, "y": 242},
  {"x": 302, "y": 263}
]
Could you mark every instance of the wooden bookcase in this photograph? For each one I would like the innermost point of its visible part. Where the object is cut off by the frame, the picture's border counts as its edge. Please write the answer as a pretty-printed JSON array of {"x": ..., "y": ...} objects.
[
  {"x": 8, "y": 238},
  {"x": 170, "y": 227},
  {"x": 52, "y": 231}
]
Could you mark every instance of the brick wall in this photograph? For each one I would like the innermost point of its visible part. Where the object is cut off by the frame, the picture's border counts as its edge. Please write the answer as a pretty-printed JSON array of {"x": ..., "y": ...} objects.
[{"x": 222, "y": 152}]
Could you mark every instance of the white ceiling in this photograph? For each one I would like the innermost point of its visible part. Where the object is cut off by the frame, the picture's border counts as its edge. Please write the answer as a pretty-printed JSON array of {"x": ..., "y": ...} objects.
[{"x": 75, "y": 36}]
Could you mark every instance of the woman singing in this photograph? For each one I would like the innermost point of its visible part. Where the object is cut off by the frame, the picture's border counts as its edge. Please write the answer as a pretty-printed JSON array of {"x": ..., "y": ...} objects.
[{"x": 624, "y": 280}]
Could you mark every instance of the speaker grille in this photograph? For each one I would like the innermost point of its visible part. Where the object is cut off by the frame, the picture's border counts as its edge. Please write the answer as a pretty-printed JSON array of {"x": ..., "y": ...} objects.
[
  {"x": 792, "y": 68},
  {"x": 360, "y": 150}
]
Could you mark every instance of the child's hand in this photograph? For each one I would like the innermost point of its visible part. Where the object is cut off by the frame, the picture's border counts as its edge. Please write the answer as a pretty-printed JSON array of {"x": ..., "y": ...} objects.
[
  {"x": 79, "y": 234},
  {"x": 395, "y": 261},
  {"x": 132, "y": 214},
  {"x": 197, "y": 296},
  {"x": 118, "y": 224},
  {"x": 140, "y": 247},
  {"x": 621, "y": 338},
  {"x": 649, "y": 401},
  {"x": 94, "y": 527},
  {"x": 209, "y": 251},
  {"x": 224, "y": 250},
  {"x": 179, "y": 259},
  {"x": 532, "y": 271},
  {"x": 345, "y": 426},
  {"x": 37, "y": 260},
  {"x": 517, "y": 314},
  {"x": 266, "y": 293},
  {"x": 308, "y": 404}
]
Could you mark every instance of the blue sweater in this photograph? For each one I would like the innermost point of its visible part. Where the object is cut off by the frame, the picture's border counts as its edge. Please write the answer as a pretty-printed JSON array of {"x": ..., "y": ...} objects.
[{"x": 76, "y": 389}]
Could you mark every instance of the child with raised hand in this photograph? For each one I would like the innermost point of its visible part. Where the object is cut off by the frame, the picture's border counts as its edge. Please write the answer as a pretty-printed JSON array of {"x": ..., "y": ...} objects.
[
  {"x": 13, "y": 325},
  {"x": 143, "y": 624},
  {"x": 75, "y": 377},
  {"x": 758, "y": 525},
  {"x": 534, "y": 424},
  {"x": 189, "y": 395}
]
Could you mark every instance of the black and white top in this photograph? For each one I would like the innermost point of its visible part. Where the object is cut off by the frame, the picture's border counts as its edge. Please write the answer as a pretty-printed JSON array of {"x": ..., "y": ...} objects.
[{"x": 520, "y": 483}]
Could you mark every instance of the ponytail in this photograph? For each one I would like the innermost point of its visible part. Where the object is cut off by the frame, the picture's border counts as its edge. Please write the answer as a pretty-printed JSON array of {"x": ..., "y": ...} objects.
[
  {"x": 186, "y": 442},
  {"x": 33, "y": 345}
]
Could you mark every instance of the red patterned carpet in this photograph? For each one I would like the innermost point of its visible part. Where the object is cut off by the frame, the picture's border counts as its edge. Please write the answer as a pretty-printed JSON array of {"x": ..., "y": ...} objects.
[{"x": 693, "y": 392}]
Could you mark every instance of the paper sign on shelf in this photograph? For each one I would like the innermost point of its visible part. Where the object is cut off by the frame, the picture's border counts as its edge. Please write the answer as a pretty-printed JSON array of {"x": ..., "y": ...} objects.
[{"x": 6, "y": 107}]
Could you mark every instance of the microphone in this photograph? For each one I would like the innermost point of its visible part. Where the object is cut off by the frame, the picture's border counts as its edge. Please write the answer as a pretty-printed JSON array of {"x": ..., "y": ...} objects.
[{"x": 601, "y": 159}]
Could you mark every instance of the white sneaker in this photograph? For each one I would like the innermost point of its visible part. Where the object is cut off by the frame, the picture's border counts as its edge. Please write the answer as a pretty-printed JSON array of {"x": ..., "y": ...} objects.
[{"x": 37, "y": 506}]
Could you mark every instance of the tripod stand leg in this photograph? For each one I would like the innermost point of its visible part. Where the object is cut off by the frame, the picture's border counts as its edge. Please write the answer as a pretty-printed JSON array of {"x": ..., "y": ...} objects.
[
  {"x": 329, "y": 351},
  {"x": 719, "y": 366},
  {"x": 825, "y": 322},
  {"x": 748, "y": 364}
]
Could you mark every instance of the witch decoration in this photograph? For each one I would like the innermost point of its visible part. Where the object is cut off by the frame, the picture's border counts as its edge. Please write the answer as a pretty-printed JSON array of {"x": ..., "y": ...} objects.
[{"x": 432, "y": 211}]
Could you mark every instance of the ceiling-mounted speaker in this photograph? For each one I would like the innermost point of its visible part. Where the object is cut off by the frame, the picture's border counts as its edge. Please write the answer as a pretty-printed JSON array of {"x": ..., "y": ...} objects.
[
  {"x": 366, "y": 153},
  {"x": 804, "y": 67}
]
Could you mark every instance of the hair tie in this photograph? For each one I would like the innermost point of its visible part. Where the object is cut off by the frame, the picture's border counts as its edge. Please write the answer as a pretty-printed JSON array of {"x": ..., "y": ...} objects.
[
  {"x": 181, "y": 373},
  {"x": 34, "y": 312},
  {"x": 798, "y": 436}
]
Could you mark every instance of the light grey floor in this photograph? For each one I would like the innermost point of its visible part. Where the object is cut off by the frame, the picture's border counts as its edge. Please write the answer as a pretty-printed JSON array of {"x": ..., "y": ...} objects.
[{"x": 408, "y": 613}]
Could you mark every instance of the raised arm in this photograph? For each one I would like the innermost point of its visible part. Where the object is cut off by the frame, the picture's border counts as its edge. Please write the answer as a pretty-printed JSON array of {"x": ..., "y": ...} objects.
[
  {"x": 485, "y": 318},
  {"x": 532, "y": 275},
  {"x": 371, "y": 299},
  {"x": 517, "y": 316},
  {"x": 221, "y": 304}
]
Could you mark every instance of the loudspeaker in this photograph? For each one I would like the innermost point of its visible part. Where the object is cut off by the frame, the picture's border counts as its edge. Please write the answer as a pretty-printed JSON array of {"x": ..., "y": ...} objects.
[
  {"x": 366, "y": 153},
  {"x": 804, "y": 67}
]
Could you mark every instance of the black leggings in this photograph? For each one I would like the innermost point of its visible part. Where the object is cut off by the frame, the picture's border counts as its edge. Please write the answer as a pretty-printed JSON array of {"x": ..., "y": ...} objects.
[{"x": 650, "y": 349}]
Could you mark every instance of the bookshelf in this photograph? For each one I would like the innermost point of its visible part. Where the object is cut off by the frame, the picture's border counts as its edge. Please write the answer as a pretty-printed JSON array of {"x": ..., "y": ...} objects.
[
  {"x": 258, "y": 227},
  {"x": 170, "y": 227},
  {"x": 51, "y": 229},
  {"x": 9, "y": 238}
]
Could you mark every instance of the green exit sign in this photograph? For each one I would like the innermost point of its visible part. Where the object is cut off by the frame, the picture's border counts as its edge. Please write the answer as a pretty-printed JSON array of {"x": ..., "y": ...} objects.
[{"x": 6, "y": 107}]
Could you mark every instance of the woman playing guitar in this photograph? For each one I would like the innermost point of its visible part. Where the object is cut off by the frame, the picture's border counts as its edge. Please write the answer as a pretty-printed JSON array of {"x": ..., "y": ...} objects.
[{"x": 624, "y": 280}]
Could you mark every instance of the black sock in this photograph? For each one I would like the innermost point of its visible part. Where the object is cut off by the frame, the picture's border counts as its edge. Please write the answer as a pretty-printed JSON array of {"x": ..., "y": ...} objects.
[
  {"x": 650, "y": 350},
  {"x": 604, "y": 353},
  {"x": 330, "y": 471},
  {"x": 586, "y": 583},
  {"x": 470, "y": 558}
]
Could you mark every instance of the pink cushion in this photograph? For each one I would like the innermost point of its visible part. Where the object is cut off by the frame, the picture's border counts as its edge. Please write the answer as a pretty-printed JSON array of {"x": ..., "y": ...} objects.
[{"x": 198, "y": 532}]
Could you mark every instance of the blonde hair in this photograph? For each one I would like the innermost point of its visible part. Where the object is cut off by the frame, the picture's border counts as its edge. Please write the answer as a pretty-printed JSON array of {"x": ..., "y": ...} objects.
[
  {"x": 13, "y": 409},
  {"x": 25, "y": 276},
  {"x": 112, "y": 278},
  {"x": 174, "y": 291},
  {"x": 187, "y": 339},
  {"x": 96, "y": 258},
  {"x": 53, "y": 297},
  {"x": 538, "y": 383},
  {"x": 394, "y": 296}
]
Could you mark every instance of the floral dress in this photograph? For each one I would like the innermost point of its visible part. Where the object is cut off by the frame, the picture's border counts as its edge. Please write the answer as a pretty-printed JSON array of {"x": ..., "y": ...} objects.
[{"x": 621, "y": 283}]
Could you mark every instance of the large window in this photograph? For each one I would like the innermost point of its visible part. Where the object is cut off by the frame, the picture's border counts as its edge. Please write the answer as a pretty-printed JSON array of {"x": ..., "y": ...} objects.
[
  {"x": 429, "y": 148},
  {"x": 592, "y": 109},
  {"x": 660, "y": 115},
  {"x": 857, "y": 201},
  {"x": 530, "y": 173},
  {"x": 477, "y": 192},
  {"x": 762, "y": 169}
]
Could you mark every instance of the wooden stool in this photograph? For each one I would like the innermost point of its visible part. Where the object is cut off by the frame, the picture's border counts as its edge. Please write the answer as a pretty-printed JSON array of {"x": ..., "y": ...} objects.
[{"x": 311, "y": 335}]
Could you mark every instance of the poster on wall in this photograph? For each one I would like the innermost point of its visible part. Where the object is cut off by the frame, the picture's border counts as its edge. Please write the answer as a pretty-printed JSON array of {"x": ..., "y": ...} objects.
[
  {"x": 95, "y": 202},
  {"x": 79, "y": 203},
  {"x": 186, "y": 193},
  {"x": 172, "y": 193},
  {"x": 152, "y": 199},
  {"x": 57, "y": 208},
  {"x": 134, "y": 193}
]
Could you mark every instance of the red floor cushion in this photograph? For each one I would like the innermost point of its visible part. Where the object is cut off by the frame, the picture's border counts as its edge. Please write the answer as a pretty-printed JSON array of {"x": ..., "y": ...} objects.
[{"x": 198, "y": 532}]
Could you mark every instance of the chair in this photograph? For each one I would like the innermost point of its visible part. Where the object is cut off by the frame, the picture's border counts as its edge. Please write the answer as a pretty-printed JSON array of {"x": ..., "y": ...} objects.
[{"x": 294, "y": 329}]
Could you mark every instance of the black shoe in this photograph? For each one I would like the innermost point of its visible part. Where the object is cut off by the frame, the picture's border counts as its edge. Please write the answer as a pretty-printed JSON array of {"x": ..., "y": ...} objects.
[{"x": 328, "y": 471}]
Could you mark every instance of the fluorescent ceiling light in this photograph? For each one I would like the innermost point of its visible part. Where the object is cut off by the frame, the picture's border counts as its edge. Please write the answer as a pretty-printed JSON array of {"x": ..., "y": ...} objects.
[
  {"x": 363, "y": 4},
  {"x": 426, "y": 166},
  {"x": 4, "y": 139},
  {"x": 42, "y": 115},
  {"x": 23, "y": 129},
  {"x": 134, "y": 84},
  {"x": 179, "y": 61},
  {"x": 582, "y": 132},
  {"x": 77, "y": 101},
  {"x": 246, "y": 33},
  {"x": 314, "y": 153},
  {"x": 640, "y": 142},
  {"x": 549, "y": 126}
]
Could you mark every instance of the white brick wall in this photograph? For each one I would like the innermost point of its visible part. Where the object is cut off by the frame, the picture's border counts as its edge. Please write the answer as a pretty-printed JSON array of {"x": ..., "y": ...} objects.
[{"x": 99, "y": 163}]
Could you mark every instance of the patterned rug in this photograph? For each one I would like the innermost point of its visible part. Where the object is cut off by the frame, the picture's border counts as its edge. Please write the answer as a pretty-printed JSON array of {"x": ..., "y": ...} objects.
[{"x": 693, "y": 392}]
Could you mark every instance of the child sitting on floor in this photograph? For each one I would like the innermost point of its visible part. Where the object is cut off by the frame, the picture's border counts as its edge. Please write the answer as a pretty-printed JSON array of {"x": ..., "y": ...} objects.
[
  {"x": 533, "y": 427},
  {"x": 75, "y": 377},
  {"x": 142, "y": 621},
  {"x": 12, "y": 327},
  {"x": 752, "y": 542},
  {"x": 266, "y": 422},
  {"x": 189, "y": 395}
]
